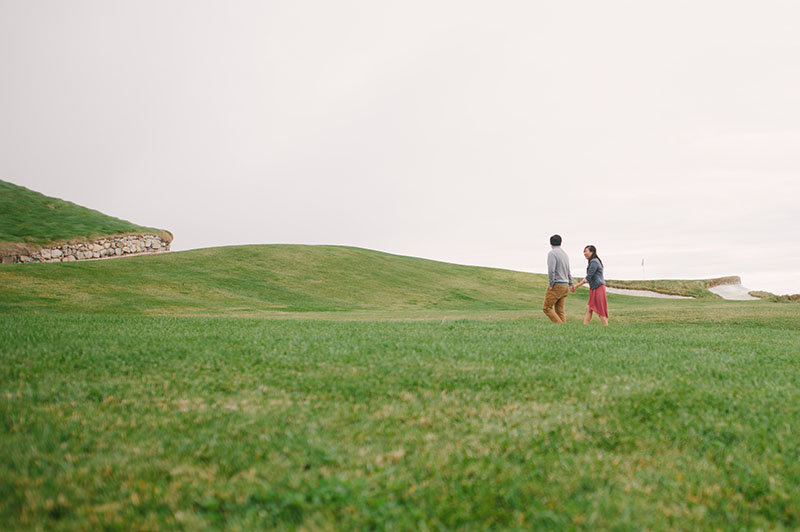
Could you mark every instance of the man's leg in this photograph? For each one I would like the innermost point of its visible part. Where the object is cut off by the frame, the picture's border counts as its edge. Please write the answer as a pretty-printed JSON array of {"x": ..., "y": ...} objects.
[
  {"x": 550, "y": 299},
  {"x": 560, "y": 305}
]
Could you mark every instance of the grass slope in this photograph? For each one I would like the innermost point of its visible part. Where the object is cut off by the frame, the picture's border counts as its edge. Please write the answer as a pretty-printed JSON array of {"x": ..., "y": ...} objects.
[
  {"x": 261, "y": 278},
  {"x": 319, "y": 282},
  {"x": 31, "y": 218},
  {"x": 274, "y": 278}
]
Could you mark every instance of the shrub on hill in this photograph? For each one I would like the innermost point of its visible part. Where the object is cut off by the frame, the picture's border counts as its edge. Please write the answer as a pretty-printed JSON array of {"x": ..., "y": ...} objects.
[{"x": 769, "y": 296}]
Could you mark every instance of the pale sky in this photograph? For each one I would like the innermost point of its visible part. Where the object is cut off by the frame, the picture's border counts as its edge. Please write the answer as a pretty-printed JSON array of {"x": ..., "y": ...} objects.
[{"x": 461, "y": 131}]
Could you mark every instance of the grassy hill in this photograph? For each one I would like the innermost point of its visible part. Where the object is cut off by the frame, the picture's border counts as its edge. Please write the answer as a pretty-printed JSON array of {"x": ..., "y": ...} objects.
[
  {"x": 289, "y": 278},
  {"x": 28, "y": 218},
  {"x": 308, "y": 281}
]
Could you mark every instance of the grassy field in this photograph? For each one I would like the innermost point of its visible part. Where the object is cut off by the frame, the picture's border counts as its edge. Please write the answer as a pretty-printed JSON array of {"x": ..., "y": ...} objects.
[
  {"x": 326, "y": 388},
  {"x": 31, "y": 218},
  {"x": 273, "y": 280}
]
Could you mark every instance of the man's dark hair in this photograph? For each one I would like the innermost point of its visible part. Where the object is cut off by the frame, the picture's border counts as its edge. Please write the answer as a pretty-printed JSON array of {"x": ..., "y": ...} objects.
[{"x": 555, "y": 240}]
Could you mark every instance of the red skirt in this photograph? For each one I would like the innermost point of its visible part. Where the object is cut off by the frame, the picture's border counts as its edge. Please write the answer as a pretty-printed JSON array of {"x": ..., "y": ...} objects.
[{"x": 597, "y": 300}]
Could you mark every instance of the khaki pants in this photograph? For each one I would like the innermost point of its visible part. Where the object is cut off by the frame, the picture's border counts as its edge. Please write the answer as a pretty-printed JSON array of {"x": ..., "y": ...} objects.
[{"x": 556, "y": 296}]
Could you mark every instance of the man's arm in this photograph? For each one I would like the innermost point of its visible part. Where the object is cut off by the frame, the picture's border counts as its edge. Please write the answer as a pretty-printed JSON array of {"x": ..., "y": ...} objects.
[
  {"x": 569, "y": 273},
  {"x": 551, "y": 267}
]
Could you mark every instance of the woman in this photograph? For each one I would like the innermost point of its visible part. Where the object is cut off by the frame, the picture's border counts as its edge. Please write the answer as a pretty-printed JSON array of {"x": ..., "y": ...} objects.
[{"x": 597, "y": 287}]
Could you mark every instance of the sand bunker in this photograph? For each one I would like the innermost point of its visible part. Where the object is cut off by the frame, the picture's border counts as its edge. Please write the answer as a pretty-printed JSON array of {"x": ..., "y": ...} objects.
[
  {"x": 643, "y": 293},
  {"x": 735, "y": 292}
]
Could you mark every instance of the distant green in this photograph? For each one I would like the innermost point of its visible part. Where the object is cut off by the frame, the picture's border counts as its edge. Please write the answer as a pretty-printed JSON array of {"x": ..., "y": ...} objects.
[
  {"x": 697, "y": 288},
  {"x": 29, "y": 217}
]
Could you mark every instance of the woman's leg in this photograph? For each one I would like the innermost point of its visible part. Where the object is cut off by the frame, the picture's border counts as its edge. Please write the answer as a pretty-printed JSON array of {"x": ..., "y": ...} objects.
[
  {"x": 588, "y": 317},
  {"x": 604, "y": 319}
]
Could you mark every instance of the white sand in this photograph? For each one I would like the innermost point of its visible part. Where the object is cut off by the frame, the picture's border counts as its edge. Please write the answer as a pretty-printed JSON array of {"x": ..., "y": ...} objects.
[
  {"x": 735, "y": 292},
  {"x": 643, "y": 293}
]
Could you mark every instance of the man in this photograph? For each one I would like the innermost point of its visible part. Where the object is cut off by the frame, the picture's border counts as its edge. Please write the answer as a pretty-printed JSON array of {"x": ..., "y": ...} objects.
[{"x": 560, "y": 281}]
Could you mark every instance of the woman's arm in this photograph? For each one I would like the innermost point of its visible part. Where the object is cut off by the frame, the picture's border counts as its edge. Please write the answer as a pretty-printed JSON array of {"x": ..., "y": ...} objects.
[{"x": 575, "y": 287}]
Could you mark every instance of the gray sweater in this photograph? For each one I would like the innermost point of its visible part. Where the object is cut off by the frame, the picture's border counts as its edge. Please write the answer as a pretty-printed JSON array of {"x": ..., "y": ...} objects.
[{"x": 558, "y": 267}]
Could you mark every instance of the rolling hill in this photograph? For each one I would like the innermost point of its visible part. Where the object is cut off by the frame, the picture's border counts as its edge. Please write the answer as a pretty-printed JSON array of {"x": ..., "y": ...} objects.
[
  {"x": 291, "y": 278},
  {"x": 270, "y": 278},
  {"x": 249, "y": 279}
]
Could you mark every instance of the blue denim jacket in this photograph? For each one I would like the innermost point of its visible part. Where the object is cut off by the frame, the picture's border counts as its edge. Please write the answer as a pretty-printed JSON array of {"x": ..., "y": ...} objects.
[{"x": 594, "y": 274}]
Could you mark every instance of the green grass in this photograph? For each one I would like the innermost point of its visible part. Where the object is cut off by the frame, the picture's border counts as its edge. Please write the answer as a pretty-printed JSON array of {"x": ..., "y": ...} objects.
[
  {"x": 168, "y": 392},
  {"x": 31, "y": 218},
  {"x": 236, "y": 424}
]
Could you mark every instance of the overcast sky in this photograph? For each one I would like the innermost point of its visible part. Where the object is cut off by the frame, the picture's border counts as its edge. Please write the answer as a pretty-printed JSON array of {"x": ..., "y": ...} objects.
[{"x": 457, "y": 130}]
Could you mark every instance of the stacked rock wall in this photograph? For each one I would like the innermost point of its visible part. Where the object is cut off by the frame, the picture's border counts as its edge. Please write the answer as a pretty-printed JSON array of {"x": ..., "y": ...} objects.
[{"x": 98, "y": 249}]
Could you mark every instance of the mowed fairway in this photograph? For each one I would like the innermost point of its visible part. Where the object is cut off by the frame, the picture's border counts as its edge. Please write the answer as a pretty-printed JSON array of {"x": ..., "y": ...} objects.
[{"x": 414, "y": 405}]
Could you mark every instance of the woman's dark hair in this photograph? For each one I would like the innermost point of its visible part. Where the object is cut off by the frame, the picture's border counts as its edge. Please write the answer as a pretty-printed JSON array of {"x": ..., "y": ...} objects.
[{"x": 593, "y": 250}]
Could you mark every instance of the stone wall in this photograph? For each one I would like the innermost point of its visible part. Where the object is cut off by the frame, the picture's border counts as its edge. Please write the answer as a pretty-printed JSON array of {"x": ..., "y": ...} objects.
[{"x": 101, "y": 248}]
